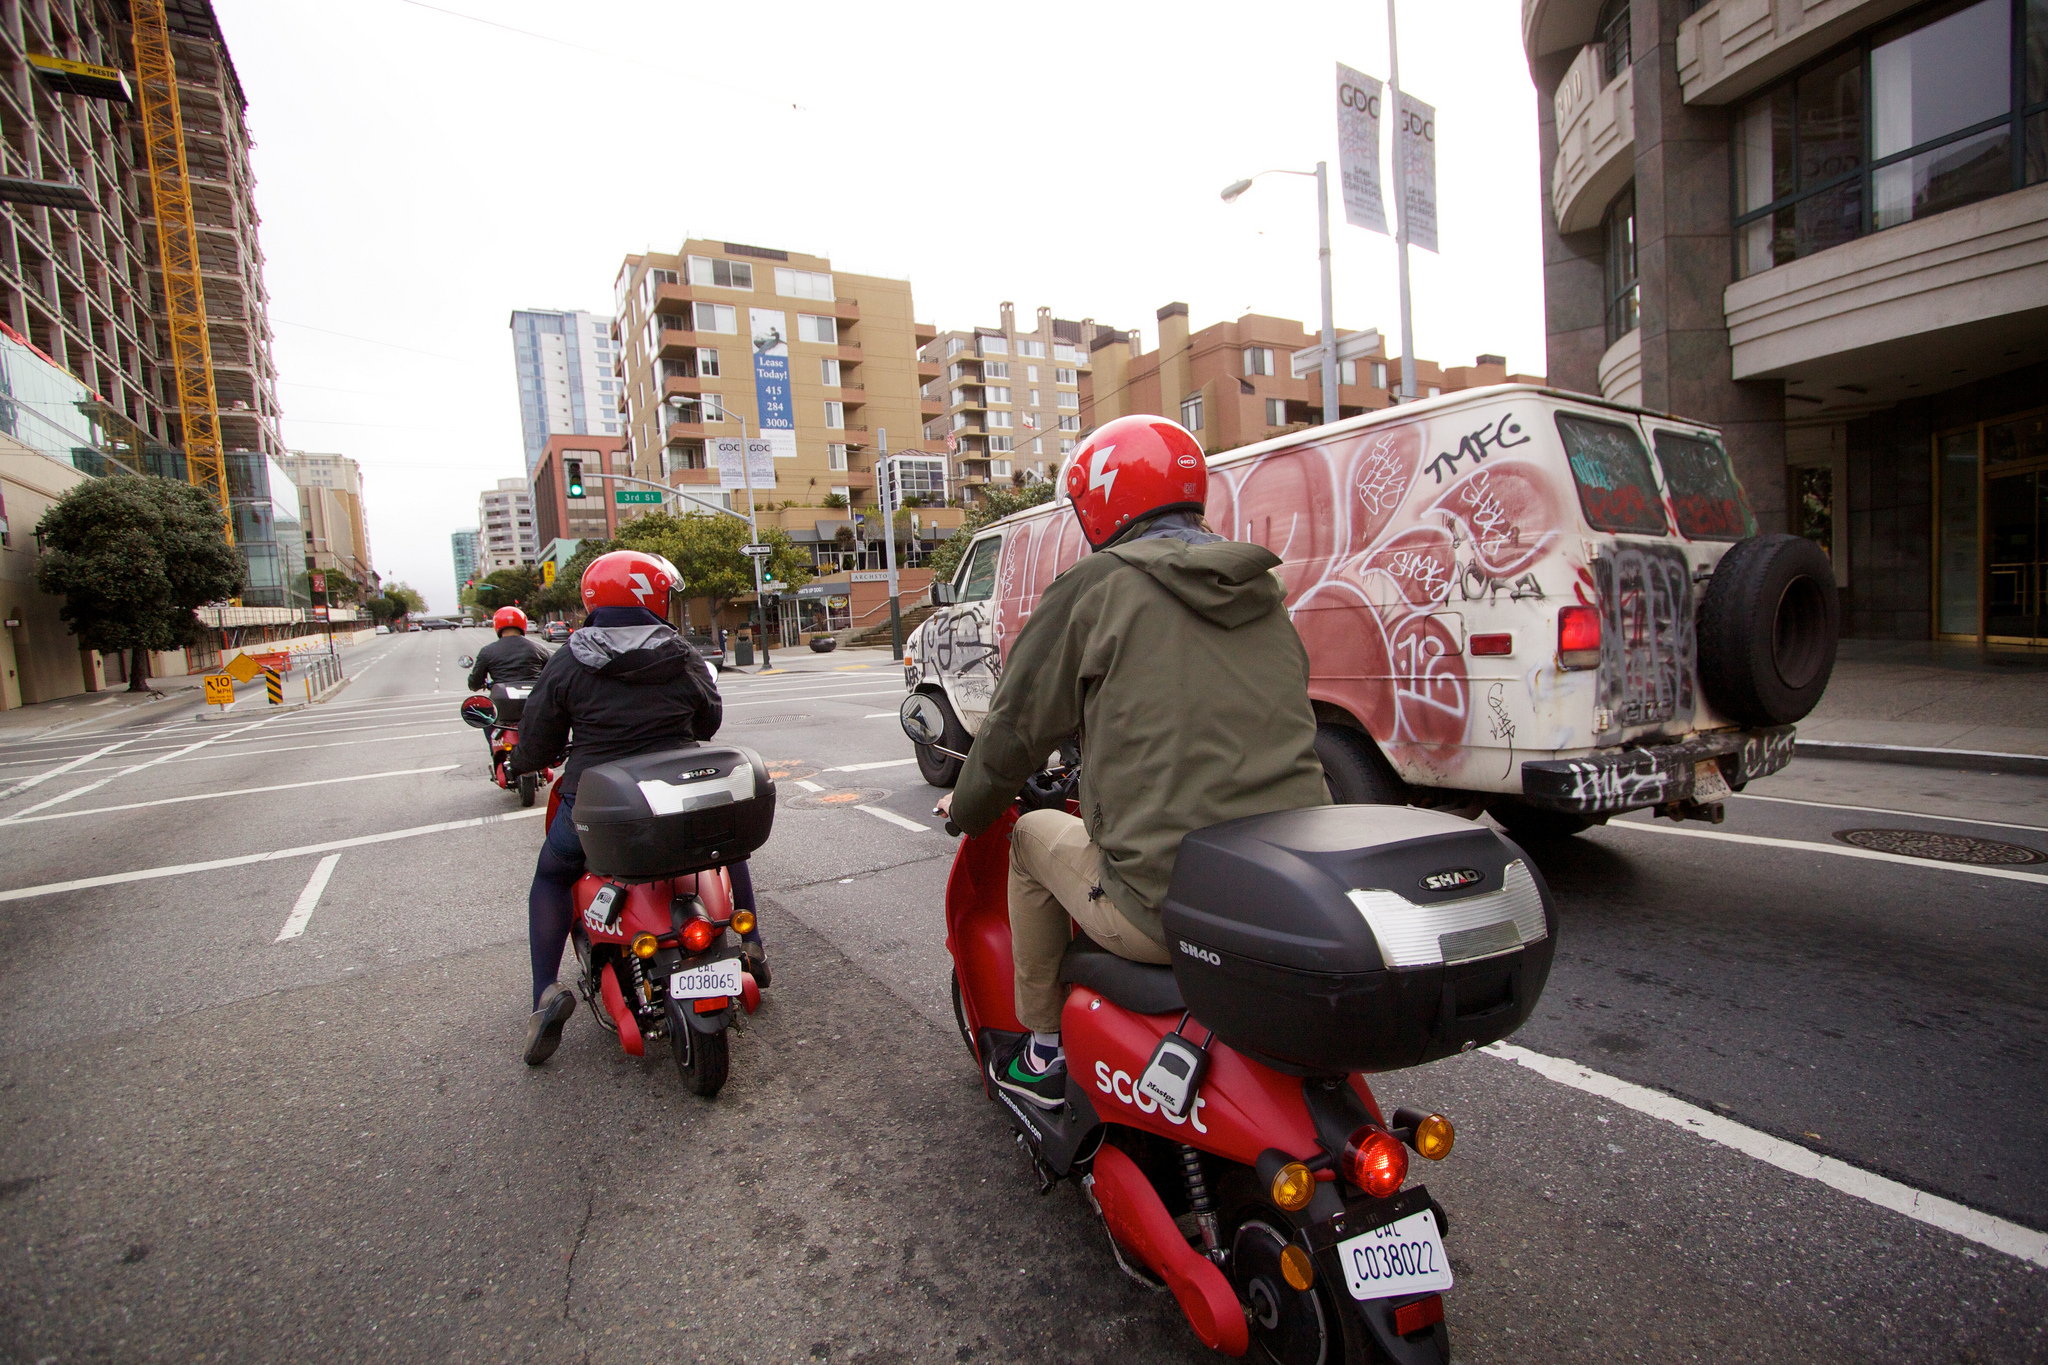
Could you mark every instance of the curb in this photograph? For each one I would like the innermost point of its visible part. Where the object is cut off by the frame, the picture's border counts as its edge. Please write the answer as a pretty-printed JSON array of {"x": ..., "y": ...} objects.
[
  {"x": 1973, "y": 760},
  {"x": 266, "y": 709}
]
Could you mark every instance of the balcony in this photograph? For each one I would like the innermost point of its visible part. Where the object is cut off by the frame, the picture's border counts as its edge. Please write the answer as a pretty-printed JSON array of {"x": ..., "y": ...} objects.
[
  {"x": 677, "y": 384},
  {"x": 846, "y": 310},
  {"x": 924, "y": 332},
  {"x": 693, "y": 431},
  {"x": 1621, "y": 370},
  {"x": 930, "y": 407},
  {"x": 674, "y": 344},
  {"x": 850, "y": 353},
  {"x": 1596, "y": 142},
  {"x": 673, "y": 298},
  {"x": 928, "y": 370},
  {"x": 693, "y": 478},
  {"x": 1732, "y": 48}
]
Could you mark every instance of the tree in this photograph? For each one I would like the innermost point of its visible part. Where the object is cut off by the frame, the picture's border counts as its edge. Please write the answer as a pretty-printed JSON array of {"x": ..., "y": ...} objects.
[
  {"x": 400, "y": 600},
  {"x": 509, "y": 588},
  {"x": 706, "y": 551},
  {"x": 133, "y": 557},
  {"x": 996, "y": 503}
]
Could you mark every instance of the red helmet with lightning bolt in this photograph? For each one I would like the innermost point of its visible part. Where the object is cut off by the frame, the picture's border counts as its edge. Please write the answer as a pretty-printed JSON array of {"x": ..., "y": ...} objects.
[
  {"x": 630, "y": 578},
  {"x": 1131, "y": 468}
]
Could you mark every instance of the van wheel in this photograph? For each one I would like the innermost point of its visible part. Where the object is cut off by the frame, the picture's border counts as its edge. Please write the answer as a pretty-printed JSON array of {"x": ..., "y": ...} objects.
[
  {"x": 937, "y": 768},
  {"x": 1767, "y": 630},
  {"x": 1355, "y": 770},
  {"x": 1535, "y": 825}
]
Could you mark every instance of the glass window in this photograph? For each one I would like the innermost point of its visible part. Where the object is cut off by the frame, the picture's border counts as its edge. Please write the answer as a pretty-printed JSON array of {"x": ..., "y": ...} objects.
[
  {"x": 1959, "y": 570},
  {"x": 1276, "y": 412},
  {"x": 803, "y": 284},
  {"x": 995, "y": 345},
  {"x": 835, "y": 456},
  {"x": 813, "y": 327},
  {"x": 978, "y": 575},
  {"x": 835, "y": 414},
  {"x": 1031, "y": 374},
  {"x": 1613, "y": 474},
  {"x": 1258, "y": 360},
  {"x": 1062, "y": 376},
  {"x": 705, "y": 270},
  {"x": 1347, "y": 372},
  {"x": 1611, "y": 31},
  {"x": 715, "y": 317},
  {"x": 1624, "y": 294},
  {"x": 1190, "y": 413},
  {"x": 997, "y": 395},
  {"x": 1705, "y": 496},
  {"x": 1074, "y": 423},
  {"x": 1067, "y": 400},
  {"x": 828, "y": 372},
  {"x": 996, "y": 369},
  {"x": 1031, "y": 348},
  {"x": 707, "y": 362}
]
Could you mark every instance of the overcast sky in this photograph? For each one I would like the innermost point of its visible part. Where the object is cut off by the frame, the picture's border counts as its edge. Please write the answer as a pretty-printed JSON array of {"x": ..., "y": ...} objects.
[{"x": 420, "y": 174}]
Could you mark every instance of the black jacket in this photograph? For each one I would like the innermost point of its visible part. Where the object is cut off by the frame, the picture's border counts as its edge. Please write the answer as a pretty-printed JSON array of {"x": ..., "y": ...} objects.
[
  {"x": 509, "y": 659},
  {"x": 623, "y": 690}
]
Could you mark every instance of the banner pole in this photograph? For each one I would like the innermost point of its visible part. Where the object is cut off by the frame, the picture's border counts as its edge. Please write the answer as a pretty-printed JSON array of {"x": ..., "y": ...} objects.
[{"x": 1407, "y": 393}]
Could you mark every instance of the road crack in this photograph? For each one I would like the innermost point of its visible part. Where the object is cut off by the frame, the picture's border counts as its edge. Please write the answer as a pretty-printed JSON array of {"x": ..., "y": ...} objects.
[{"x": 582, "y": 1231}]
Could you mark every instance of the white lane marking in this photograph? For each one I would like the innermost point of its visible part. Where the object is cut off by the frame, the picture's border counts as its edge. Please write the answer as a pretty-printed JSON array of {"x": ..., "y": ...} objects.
[
  {"x": 809, "y": 786},
  {"x": 883, "y": 715},
  {"x": 40, "y": 778},
  {"x": 1886, "y": 810},
  {"x": 1982, "y": 1228},
  {"x": 135, "y": 768},
  {"x": 295, "y": 923},
  {"x": 893, "y": 818},
  {"x": 807, "y": 696},
  {"x": 870, "y": 767},
  {"x": 1845, "y": 851},
  {"x": 234, "y": 791},
  {"x": 147, "y": 874},
  {"x": 295, "y": 748}
]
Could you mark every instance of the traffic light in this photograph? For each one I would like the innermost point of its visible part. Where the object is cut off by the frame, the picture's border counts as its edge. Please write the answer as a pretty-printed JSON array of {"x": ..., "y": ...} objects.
[{"x": 575, "y": 471}]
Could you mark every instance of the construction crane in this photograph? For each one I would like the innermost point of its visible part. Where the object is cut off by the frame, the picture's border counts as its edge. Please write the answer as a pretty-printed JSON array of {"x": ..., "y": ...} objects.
[{"x": 177, "y": 241}]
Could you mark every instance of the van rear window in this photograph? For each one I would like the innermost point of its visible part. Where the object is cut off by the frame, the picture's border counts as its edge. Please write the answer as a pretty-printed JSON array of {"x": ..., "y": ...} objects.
[
  {"x": 1612, "y": 471},
  {"x": 1704, "y": 494}
]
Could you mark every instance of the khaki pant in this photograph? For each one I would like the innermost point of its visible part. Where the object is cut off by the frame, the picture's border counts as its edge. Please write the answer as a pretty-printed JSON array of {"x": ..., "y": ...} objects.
[{"x": 1055, "y": 874}]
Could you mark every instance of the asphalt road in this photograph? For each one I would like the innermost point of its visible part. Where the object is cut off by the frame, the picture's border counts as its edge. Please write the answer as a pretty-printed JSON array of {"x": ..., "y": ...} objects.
[{"x": 228, "y": 1144}]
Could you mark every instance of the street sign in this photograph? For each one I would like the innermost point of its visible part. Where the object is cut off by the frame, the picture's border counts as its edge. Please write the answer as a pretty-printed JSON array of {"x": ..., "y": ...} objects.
[
  {"x": 320, "y": 583},
  {"x": 220, "y": 688},
  {"x": 547, "y": 572},
  {"x": 241, "y": 668},
  {"x": 628, "y": 497},
  {"x": 757, "y": 549},
  {"x": 319, "y": 610},
  {"x": 1353, "y": 346}
]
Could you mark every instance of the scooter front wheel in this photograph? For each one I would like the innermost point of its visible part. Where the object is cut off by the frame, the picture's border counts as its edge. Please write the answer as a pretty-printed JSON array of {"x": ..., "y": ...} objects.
[
  {"x": 703, "y": 1060},
  {"x": 960, "y": 1020}
]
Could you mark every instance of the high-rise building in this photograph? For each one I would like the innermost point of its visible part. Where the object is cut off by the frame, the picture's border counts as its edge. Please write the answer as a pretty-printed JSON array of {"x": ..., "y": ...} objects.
[
  {"x": 720, "y": 333},
  {"x": 564, "y": 362},
  {"x": 1232, "y": 383},
  {"x": 1008, "y": 401},
  {"x": 1819, "y": 227},
  {"x": 597, "y": 514},
  {"x": 506, "y": 537},
  {"x": 331, "y": 503},
  {"x": 463, "y": 543}
]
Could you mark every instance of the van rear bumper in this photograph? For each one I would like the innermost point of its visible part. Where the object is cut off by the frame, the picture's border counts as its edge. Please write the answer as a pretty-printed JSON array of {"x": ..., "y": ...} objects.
[{"x": 1652, "y": 774}]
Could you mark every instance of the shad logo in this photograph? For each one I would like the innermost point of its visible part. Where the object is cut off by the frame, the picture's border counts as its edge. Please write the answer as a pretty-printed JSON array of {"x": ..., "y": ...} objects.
[
  {"x": 1451, "y": 878},
  {"x": 696, "y": 772},
  {"x": 1202, "y": 953}
]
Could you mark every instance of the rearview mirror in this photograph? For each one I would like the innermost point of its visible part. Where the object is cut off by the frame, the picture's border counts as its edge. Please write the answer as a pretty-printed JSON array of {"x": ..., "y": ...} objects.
[
  {"x": 479, "y": 712},
  {"x": 923, "y": 719},
  {"x": 942, "y": 595},
  {"x": 466, "y": 661}
]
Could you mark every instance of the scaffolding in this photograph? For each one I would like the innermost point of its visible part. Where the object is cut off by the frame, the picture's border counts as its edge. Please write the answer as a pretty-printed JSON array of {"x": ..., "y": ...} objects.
[{"x": 178, "y": 246}]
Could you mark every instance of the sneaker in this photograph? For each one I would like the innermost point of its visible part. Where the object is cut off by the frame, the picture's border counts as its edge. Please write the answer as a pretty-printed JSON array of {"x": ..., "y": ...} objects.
[
  {"x": 1009, "y": 1070},
  {"x": 755, "y": 955},
  {"x": 544, "y": 1029}
]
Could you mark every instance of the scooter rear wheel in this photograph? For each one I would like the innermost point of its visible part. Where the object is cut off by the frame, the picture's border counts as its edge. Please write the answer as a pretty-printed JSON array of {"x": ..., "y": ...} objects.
[
  {"x": 529, "y": 785},
  {"x": 1289, "y": 1326},
  {"x": 703, "y": 1060}
]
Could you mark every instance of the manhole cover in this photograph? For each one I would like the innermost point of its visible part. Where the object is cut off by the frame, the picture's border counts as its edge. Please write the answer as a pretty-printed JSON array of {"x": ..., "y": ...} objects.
[
  {"x": 788, "y": 769},
  {"x": 840, "y": 799},
  {"x": 1946, "y": 848}
]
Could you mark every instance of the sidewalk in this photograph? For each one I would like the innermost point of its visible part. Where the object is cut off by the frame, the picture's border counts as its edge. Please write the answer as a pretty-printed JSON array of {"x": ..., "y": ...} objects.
[
  {"x": 1933, "y": 695},
  {"x": 803, "y": 660},
  {"x": 92, "y": 711}
]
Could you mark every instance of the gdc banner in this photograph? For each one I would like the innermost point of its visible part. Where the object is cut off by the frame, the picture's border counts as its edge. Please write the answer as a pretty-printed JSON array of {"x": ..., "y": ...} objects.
[
  {"x": 759, "y": 465},
  {"x": 1417, "y": 148},
  {"x": 1358, "y": 148},
  {"x": 771, "y": 380}
]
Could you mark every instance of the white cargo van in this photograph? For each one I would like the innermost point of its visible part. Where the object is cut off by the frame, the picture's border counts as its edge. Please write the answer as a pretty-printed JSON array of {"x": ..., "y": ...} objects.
[{"x": 1514, "y": 599}]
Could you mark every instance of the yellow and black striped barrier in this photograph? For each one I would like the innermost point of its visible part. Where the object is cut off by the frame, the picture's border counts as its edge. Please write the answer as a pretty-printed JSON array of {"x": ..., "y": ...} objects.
[{"x": 273, "y": 683}]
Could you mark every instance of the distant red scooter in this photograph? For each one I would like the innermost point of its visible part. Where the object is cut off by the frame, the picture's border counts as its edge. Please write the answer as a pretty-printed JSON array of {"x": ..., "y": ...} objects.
[
  {"x": 497, "y": 715},
  {"x": 1217, "y": 1115}
]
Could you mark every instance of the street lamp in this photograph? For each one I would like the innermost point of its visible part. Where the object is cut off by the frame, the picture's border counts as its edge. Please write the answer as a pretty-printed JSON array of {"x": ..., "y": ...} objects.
[
  {"x": 1321, "y": 175},
  {"x": 678, "y": 402}
]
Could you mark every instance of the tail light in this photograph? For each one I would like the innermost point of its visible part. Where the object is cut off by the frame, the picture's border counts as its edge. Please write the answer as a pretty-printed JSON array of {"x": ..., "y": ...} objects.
[
  {"x": 1499, "y": 645},
  {"x": 1413, "y": 1317},
  {"x": 697, "y": 935},
  {"x": 1578, "y": 637},
  {"x": 1375, "y": 1161}
]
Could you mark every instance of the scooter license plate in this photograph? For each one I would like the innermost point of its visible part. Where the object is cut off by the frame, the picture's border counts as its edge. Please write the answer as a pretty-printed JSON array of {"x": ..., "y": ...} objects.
[
  {"x": 705, "y": 982},
  {"x": 1401, "y": 1258}
]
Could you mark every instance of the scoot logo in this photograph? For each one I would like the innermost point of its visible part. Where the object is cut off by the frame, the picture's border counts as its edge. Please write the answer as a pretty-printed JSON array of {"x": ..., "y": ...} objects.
[
  {"x": 1202, "y": 953},
  {"x": 1118, "y": 1085}
]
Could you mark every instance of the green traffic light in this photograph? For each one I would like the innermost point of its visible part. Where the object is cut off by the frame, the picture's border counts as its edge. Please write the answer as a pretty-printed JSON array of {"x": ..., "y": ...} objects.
[{"x": 574, "y": 469}]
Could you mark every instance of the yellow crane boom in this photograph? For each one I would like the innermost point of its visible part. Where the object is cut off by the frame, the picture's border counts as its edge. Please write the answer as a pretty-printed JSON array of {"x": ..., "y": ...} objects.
[{"x": 178, "y": 247}]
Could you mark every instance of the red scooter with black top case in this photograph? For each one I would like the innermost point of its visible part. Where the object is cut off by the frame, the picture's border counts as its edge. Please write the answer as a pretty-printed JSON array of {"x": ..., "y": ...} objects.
[
  {"x": 1217, "y": 1113},
  {"x": 654, "y": 911},
  {"x": 497, "y": 715}
]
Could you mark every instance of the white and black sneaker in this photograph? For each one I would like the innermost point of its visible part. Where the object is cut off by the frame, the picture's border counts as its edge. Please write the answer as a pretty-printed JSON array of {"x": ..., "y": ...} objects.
[
  {"x": 1018, "y": 1071},
  {"x": 544, "y": 1029}
]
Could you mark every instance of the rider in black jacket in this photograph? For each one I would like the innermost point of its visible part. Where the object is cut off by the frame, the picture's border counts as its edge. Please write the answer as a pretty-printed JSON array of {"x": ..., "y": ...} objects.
[
  {"x": 625, "y": 684},
  {"x": 511, "y": 658}
]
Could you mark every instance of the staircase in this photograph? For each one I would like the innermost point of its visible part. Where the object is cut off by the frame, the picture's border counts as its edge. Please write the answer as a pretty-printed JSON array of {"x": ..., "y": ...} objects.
[{"x": 878, "y": 635}]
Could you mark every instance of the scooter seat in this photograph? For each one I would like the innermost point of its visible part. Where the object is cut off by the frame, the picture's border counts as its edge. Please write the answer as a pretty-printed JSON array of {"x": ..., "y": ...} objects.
[{"x": 1137, "y": 986}]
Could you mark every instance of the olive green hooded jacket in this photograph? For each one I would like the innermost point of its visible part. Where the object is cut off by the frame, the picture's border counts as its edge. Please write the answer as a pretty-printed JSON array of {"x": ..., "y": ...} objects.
[{"x": 1181, "y": 670}]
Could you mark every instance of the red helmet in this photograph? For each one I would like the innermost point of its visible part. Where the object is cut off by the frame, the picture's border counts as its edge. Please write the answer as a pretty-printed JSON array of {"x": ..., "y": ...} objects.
[
  {"x": 1131, "y": 467},
  {"x": 630, "y": 578},
  {"x": 508, "y": 618}
]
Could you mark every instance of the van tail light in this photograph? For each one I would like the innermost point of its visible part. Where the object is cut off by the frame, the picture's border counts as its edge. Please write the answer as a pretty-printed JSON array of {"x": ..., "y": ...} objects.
[
  {"x": 1413, "y": 1317},
  {"x": 1490, "y": 644},
  {"x": 1375, "y": 1161},
  {"x": 1578, "y": 637}
]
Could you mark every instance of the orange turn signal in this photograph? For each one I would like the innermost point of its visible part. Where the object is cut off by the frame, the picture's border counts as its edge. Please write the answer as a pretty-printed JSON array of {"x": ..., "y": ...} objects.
[
  {"x": 1293, "y": 1186},
  {"x": 743, "y": 921},
  {"x": 644, "y": 946}
]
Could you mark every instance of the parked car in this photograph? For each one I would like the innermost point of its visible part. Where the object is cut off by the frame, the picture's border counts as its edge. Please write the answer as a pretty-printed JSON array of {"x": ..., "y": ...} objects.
[
  {"x": 437, "y": 623},
  {"x": 1515, "y": 599},
  {"x": 383, "y": 630},
  {"x": 709, "y": 647}
]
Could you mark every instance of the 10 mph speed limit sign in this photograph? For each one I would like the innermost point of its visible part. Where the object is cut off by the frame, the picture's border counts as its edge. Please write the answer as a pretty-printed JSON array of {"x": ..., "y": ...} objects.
[{"x": 220, "y": 690}]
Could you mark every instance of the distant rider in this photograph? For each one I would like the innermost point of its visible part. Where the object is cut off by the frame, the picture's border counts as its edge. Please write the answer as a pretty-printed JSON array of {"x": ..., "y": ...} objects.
[
  {"x": 509, "y": 659},
  {"x": 1171, "y": 652},
  {"x": 625, "y": 684}
]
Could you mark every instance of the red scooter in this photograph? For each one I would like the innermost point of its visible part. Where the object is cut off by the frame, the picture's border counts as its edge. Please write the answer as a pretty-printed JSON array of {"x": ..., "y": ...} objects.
[
  {"x": 497, "y": 715},
  {"x": 654, "y": 911},
  {"x": 1217, "y": 1115}
]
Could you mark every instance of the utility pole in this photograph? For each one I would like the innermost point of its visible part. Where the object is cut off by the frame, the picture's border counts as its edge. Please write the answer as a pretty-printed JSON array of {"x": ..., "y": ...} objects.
[
  {"x": 1407, "y": 393},
  {"x": 1330, "y": 407},
  {"x": 889, "y": 544},
  {"x": 753, "y": 533}
]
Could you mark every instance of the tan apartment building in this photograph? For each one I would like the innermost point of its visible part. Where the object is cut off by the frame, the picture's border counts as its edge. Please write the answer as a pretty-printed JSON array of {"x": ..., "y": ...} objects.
[
  {"x": 1232, "y": 384},
  {"x": 722, "y": 336},
  {"x": 1009, "y": 400},
  {"x": 331, "y": 510}
]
